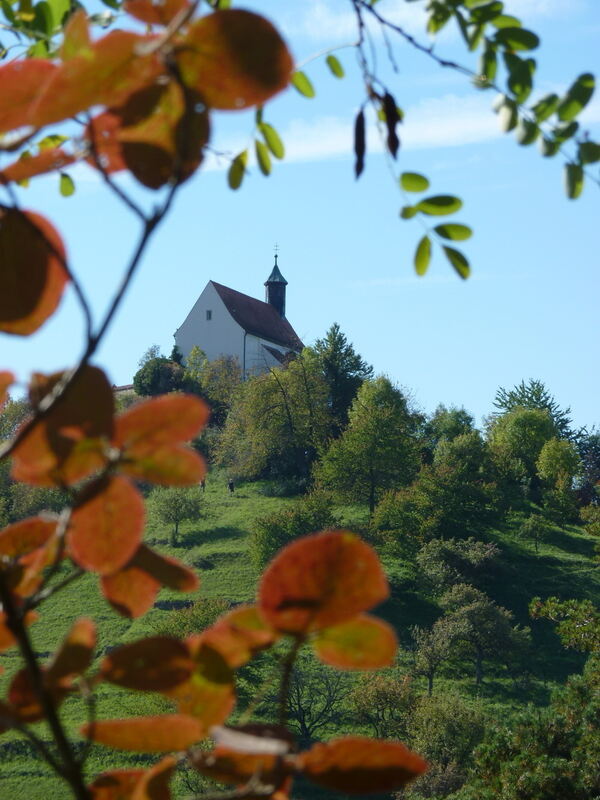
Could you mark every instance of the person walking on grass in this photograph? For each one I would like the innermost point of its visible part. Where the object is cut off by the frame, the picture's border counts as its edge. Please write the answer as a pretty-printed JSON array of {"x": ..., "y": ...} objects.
[{"x": 230, "y": 485}]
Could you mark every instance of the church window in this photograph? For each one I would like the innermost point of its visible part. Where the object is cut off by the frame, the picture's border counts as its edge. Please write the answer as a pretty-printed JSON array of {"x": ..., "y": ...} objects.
[{"x": 208, "y": 314}]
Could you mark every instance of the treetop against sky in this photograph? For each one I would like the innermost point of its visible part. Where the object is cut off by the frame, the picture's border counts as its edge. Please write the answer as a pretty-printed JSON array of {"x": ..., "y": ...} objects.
[{"x": 529, "y": 308}]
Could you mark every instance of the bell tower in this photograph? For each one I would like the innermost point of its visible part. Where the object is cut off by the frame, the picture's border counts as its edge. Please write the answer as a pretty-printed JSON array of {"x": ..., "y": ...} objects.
[{"x": 275, "y": 289}]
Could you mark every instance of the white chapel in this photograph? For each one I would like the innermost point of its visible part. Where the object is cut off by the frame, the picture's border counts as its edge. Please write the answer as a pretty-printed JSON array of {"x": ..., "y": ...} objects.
[{"x": 224, "y": 322}]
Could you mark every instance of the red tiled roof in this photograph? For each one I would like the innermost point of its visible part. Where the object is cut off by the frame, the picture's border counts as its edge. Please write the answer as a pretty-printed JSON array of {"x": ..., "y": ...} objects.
[{"x": 258, "y": 318}]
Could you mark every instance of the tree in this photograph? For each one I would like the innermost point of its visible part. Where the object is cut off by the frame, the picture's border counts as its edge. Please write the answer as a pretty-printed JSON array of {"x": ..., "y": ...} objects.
[
  {"x": 158, "y": 376},
  {"x": 558, "y": 463},
  {"x": 534, "y": 395},
  {"x": 174, "y": 505},
  {"x": 516, "y": 440},
  {"x": 378, "y": 449},
  {"x": 446, "y": 562},
  {"x": 384, "y": 701},
  {"x": 151, "y": 354},
  {"x": 535, "y": 528},
  {"x": 278, "y": 423},
  {"x": 344, "y": 371},
  {"x": 588, "y": 445},
  {"x": 445, "y": 424},
  {"x": 432, "y": 648},
  {"x": 217, "y": 381},
  {"x": 483, "y": 629}
]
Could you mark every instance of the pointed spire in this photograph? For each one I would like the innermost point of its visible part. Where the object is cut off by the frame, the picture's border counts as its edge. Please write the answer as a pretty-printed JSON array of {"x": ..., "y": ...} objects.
[
  {"x": 275, "y": 288},
  {"x": 276, "y": 276}
]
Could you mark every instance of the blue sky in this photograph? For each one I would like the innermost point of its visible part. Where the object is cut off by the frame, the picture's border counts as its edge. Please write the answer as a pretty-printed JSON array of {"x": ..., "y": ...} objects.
[{"x": 530, "y": 309}]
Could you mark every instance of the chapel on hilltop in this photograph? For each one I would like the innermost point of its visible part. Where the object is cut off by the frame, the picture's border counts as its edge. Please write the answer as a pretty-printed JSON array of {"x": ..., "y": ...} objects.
[{"x": 224, "y": 322}]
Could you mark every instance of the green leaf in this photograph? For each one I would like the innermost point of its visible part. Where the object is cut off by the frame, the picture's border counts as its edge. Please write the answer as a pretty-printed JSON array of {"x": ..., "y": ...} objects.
[
  {"x": 520, "y": 75},
  {"x": 508, "y": 115},
  {"x": 334, "y": 66},
  {"x": 589, "y": 152},
  {"x": 258, "y": 116},
  {"x": 573, "y": 180},
  {"x": 43, "y": 20},
  {"x": 272, "y": 139},
  {"x": 439, "y": 204},
  {"x": 549, "y": 147},
  {"x": 8, "y": 12},
  {"x": 565, "y": 131},
  {"x": 263, "y": 158},
  {"x": 408, "y": 212},
  {"x": 302, "y": 84},
  {"x": 67, "y": 187},
  {"x": 458, "y": 261},
  {"x": 515, "y": 38},
  {"x": 237, "y": 170},
  {"x": 454, "y": 231},
  {"x": 487, "y": 12},
  {"x": 423, "y": 255},
  {"x": 577, "y": 98},
  {"x": 112, "y": 4},
  {"x": 506, "y": 21},
  {"x": 414, "y": 182},
  {"x": 488, "y": 65},
  {"x": 439, "y": 16},
  {"x": 545, "y": 107},
  {"x": 527, "y": 132},
  {"x": 59, "y": 9}
]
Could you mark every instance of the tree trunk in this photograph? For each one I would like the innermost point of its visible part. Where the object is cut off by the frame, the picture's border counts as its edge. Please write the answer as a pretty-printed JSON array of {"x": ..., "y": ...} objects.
[{"x": 430, "y": 684}]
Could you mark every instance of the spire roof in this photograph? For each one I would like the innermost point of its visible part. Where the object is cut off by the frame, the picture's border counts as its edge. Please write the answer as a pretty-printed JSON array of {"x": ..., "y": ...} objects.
[{"x": 276, "y": 276}]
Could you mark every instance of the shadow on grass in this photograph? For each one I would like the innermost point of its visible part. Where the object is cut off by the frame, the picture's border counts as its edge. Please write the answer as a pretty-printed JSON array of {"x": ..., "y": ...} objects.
[
  {"x": 200, "y": 537},
  {"x": 568, "y": 542}
]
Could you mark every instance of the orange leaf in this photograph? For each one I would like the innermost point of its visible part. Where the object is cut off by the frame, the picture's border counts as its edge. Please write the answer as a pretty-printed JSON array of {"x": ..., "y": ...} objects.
[
  {"x": 160, "y": 421},
  {"x": 106, "y": 526},
  {"x": 21, "y": 82},
  {"x": 25, "y": 701},
  {"x": 7, "y": 638},
  {"x": 76, "y": 38},
  {"x": 234, "y": 59},
  {"x": 75, "y": 653},
  {"x": 130, "y": 591},
  {"x": 68, "y": 444},
  {"x": 361, "y": 643},
  {"x": 45, "y": 161},
  {"x": 155, "y": 664},
  {"x": 154, "y": 783},
  {"x": 358, "y": 765},
  {"x": 209, "y": 694},
  {"x": 176, "y": 465},
  {"x": 118, "y": 784},
  {"x": 238, "y": 635},
  {"x": 105, "y": 74},
  {"x": 168, "y": 571},
  {"x": 32, "y": 278},
  {"x": 159, "y": 734},
  {"x": 319, "y": 581},
  {"x": 154, "y": 13},
  {"x": 6, "y": 379},
  {"x": 24, "y": 536}
]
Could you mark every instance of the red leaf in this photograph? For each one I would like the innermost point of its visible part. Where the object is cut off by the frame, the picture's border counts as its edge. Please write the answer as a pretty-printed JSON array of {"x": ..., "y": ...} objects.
[
  {"x": 234, "y": 59},
  {"x": 45, "y": 161},
  {"x": 319, "y": 581},
  {"x": 75, "y": 653},
  {"x": 25, "y": 701},
  {"x": 164, "y": 420},
  {"x": 21, "y": 83},
  {"x": 69, "y": 443},
  {"x": 118, "y": 784},
  {"x": 155, "y": 664},
  {"x": 6, "y": 379},
  {"x": 105, "y": 74},
  {"x": 155, "y": 13},
  {"x": 24, "y": 536},
  {"x": 361, "y": 643},
  {"x": 239, "y": 634},
  {"x": 154, "y": 784},
  {"x": 168, "y": 571},
  {"x": 32, "y": 278},
  {"x": 159, "y": 734},
  {"x": 209, "y": 694},
  {"x": 7, "y": 638},
  {"x": 358, "y": 765},
  {"x": 106, "y": 527},
  {"x": 131, "y": 591}
]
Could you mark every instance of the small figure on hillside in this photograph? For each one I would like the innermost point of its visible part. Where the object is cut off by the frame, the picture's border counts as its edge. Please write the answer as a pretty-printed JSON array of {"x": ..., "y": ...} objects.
[
  {"x": 230, "y": 486},
  {"x": 203, "y": 484}
]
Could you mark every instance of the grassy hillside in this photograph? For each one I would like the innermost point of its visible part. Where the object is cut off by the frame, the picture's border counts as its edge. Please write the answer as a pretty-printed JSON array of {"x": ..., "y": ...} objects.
[{"x": 218, "y": 545}]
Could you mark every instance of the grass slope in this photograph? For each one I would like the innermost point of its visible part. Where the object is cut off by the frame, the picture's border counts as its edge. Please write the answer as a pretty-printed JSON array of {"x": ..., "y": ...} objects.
[{"x": 218, "y": 545}]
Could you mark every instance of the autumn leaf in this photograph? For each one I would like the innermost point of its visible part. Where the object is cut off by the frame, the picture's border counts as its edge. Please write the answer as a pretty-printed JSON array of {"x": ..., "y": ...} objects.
[
  {"x": 239, "y": 635},
  {"x": 319, "y": 581},
  {"x": 106, "y": 525},
  {"x": 158, "y": 734},
  {"x": 361, "y": 643},
  {"x": 154, "y": 13},
  {"x": 155, "y": 664},
  {"x": 49, "y": 160},
  {"x": 358, "y": 765},
  {"x": 75, "y": 654},
  {"x": 234, "y": 59},
  {"x": 21, "y": 82},
  {"x": 6, "y": 379},
  {"x": 32, "y": 278}
]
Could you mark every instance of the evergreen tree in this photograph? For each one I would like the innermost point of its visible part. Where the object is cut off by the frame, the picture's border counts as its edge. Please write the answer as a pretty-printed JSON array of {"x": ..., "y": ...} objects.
[{"x": 534, "y": 395}]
